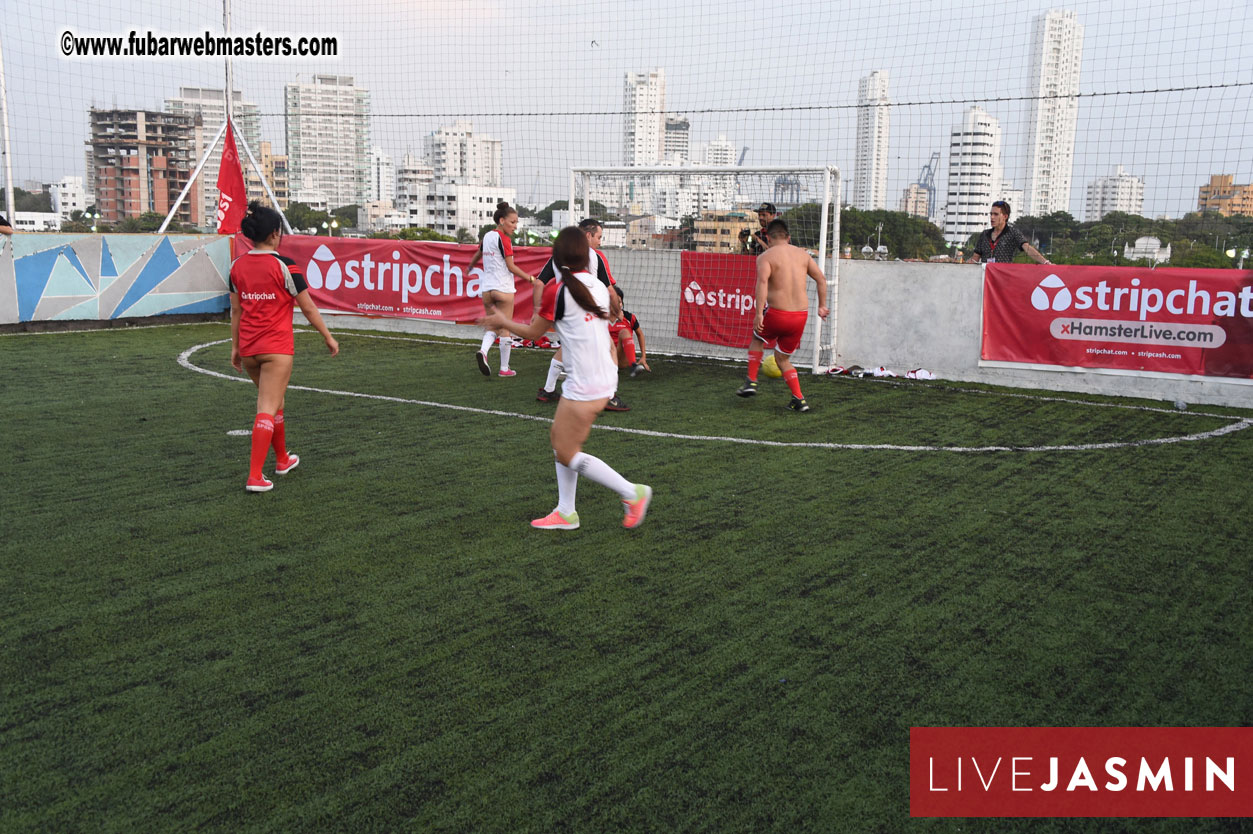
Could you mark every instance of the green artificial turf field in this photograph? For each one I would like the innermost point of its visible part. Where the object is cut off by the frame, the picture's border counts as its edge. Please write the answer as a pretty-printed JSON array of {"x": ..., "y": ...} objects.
[{"x": 382, "y": 643}]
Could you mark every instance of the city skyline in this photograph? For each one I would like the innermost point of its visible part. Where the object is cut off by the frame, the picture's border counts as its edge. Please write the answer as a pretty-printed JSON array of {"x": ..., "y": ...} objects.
[{"x": 720, "y": 89}]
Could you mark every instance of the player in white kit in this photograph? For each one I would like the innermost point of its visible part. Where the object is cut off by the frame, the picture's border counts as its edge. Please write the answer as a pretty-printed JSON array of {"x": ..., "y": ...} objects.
[
  {"x": 496, "y": 253},
  {"x": 576, "y": 304}
]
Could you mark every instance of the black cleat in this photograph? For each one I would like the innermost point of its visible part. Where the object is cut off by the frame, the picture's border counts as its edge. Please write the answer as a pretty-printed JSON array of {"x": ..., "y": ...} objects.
[
  {"x": 637, "y": 369},
  {"x": 748, "y": 389},
  {"x": 798, "y": 404},
  {"x": 482, "y": 360},
  {"x": 546, "y": 396},
  {"x": 616, "y": 404}
]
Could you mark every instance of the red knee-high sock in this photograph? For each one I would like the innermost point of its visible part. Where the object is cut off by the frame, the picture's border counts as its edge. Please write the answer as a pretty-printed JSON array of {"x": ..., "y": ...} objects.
[
  {"x": 280, "y": 437},
  {"x": 262, "y": 432},
  {"x": 754, "y": 363},
  {"x": 793, "y": 384},
  {"x": 628, "y": 348}
]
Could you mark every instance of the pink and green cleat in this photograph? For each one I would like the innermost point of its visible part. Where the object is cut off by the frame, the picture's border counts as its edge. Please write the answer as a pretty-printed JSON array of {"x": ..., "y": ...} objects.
[
  {"x": 635, "y": 509},
  {"x": 557, "y": 521}
]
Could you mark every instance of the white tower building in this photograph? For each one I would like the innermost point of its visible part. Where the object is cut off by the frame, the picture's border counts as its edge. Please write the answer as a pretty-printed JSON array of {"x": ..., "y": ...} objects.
[
  {"x": 644, "y": 122},
  {"x": 1056, "y": 53},
  {"x": 870, "y": 172},
  {"x": 328, "y": 141},
  {"x": 974, "y": 175},
  {"x": 1121, "y": 192}
]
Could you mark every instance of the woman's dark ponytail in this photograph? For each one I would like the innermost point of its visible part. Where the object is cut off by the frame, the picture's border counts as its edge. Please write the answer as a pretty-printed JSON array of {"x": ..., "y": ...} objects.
[{"x": 260, "y": 222}]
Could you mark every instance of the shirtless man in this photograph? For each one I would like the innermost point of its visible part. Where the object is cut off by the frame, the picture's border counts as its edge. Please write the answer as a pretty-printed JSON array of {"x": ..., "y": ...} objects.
[{"x": 782, "y": 308}]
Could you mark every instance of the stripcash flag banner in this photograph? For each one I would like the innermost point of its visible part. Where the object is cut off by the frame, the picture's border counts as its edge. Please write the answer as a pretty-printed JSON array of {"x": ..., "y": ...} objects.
[
  {"x": 1178, "y": 321},
  {"x": 717, "y": 301},
  {"x": 400, "y": 278}
]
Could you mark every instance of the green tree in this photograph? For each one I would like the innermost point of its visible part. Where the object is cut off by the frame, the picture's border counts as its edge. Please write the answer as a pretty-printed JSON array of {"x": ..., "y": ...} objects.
[
  {"x": 464, "y": 236},
  {"x": 1201, "y": 257},
  {"x": 24, "y": 200},
  {"x": 302, "y": 217},
  {"x": 347, "y": 216}
]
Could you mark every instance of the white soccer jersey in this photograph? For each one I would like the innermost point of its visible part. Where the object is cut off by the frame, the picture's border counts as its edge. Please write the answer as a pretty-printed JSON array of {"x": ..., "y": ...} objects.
[
  {"x": 496, "y": 274},
  {"x": 591, "y": 372}
]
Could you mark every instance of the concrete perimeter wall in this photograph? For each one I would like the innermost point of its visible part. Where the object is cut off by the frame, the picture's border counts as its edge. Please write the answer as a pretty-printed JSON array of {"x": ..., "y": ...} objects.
[{"x": 899, "y": 315}]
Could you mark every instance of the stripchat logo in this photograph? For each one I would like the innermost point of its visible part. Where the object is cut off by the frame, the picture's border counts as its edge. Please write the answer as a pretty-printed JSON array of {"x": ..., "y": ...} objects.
[
  {"x": 1051, "y": 294},
  {"x": 396, "y": 275},
  {"x": 1150, "y": 300},
  {"x": 313, "y": 272},
  {"x": 742, "y": 302}
]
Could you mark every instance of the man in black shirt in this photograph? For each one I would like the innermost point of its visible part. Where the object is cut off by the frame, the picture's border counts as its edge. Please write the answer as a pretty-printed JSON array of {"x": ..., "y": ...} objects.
[
  {"x": 1001, "y": 243},
  {"x": 5, "y": 228},
  {"x": 756, "y": 243}
]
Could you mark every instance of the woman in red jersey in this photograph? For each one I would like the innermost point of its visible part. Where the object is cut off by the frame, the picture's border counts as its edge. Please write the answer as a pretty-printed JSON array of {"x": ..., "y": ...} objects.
[
  {"x": 576, "y": 304},
  {"x": 264, "y": 285}
]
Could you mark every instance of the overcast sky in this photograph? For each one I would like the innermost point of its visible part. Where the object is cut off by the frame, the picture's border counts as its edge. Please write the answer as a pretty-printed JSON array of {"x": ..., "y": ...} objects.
[{"x": 783, "y": 78}]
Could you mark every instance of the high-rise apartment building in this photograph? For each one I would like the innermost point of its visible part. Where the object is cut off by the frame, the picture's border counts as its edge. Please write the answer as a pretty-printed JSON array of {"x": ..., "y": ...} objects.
[
  {"x": 413, "y": 181},
  {"x": 1056, "y": 53},
  {"x": 382, "y": 176},
  {"x": 210, "y": 106},
  {"x": 1225, "y": 196},
  {"x": 644, "y": 122},
  {"x": 274, "y": 166},
  {"x": 1121, "y": 192},
  {"x": 328, "y": 140},
  {"x": 141, "y": 160},
  {"x": 458, "y": 155},
  {"x": 870, "y": 172},
  {"x": 677, "y": 145},
  {"x": 916, "y": 201},
  {"x": 974, "y": 175},
  {"x": 720, "y": 152}
]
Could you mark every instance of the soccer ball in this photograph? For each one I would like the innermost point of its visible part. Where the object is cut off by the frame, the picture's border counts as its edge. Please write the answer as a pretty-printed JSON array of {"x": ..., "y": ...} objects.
[{"x": 770, "y": 368}]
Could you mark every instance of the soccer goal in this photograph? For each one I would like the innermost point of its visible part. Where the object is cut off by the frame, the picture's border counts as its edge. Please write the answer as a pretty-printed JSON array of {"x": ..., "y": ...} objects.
[{"x": 679, "y": 241}]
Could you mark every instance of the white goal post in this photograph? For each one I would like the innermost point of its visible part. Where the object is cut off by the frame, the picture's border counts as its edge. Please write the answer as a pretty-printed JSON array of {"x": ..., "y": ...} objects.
[{"x": 687, "y": 193}]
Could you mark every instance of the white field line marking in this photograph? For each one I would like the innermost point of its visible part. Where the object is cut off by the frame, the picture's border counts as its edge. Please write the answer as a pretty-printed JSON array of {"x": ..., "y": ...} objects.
[{"x": 184, "y": 359}]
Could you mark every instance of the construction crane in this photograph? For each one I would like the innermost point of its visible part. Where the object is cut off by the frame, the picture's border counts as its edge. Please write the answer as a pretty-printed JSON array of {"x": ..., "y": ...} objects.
[
  {"x": 926, "y": 180},
  {"x": 743, "y": 153}
]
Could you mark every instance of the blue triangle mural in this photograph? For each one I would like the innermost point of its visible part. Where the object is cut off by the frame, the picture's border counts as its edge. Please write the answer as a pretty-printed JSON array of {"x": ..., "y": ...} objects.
[
  {"x": 107, "y": 269},
  {"x": 65, "y": 279},
  {"x": 72, "y": 257},
  {"x": 89, "y": 309},
  {"x": 162, "y": 262},
  {"x": 32, "y": 273},
  {"x": 126, "y": 249},
  {"x": 218, "y": 304}
]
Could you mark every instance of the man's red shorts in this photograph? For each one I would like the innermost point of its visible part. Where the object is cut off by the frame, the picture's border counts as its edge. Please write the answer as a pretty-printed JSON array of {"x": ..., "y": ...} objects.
[{"x": 782, "y": 330}]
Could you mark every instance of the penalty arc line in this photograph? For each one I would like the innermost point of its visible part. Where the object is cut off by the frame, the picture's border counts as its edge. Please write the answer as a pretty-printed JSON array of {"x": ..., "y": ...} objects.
[{"x": 184, "y": 359}]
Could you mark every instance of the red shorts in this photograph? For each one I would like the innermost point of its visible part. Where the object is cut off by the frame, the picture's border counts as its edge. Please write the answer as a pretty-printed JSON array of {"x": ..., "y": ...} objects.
[{"x": 782, "y": 330}]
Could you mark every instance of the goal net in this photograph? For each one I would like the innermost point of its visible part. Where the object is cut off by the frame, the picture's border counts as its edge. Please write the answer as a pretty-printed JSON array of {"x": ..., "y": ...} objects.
[{"x": 681, "y": 241}]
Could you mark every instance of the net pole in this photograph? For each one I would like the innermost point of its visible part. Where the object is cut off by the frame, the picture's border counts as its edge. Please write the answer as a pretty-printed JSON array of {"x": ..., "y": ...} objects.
[
  {"x": 570, "y": 202},
  {"x": 587, "y": 205},
  {"x": 230, "y": 71},
  {"x": 822, "y": 260},
  {"x": 199, "y": 167},
  {"x": 9, "y": 205}
]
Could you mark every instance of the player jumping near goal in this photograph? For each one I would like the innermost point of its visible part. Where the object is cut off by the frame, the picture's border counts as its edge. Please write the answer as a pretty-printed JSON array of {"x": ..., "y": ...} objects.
[
  {"x": 782, "y": 308},
  {"x": 576, "y": 304}
]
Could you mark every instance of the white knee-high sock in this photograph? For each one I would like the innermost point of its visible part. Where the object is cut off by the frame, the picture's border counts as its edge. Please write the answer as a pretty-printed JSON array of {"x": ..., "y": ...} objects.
[
  {"x": 567, "y": 484},
  {"x": 506, "y": 345},
  {"x": 554, "y": 370},
  {"x": 603, "y": 474},
  {"x": 489, "y": 339}
]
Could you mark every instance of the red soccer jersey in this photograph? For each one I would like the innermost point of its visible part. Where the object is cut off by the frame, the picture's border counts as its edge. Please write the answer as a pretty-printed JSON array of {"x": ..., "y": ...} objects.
[{"x": 267, "y": 285}]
